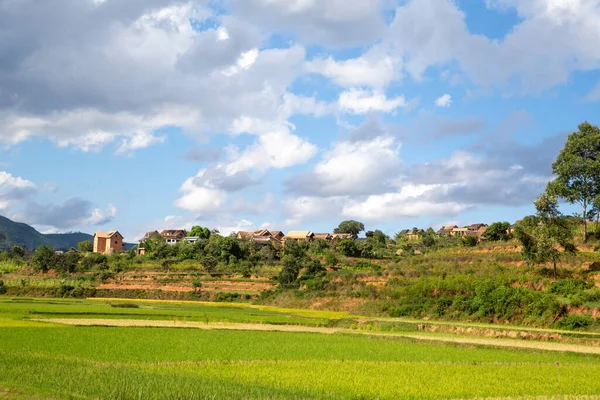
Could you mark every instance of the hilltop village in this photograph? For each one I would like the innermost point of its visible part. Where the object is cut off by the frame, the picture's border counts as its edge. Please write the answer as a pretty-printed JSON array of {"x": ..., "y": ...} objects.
[{"x": 112, "y": 241}]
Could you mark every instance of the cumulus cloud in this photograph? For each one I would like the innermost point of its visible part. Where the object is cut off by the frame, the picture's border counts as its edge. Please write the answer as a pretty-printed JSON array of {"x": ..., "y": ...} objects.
[
  {"x": 552, "y": 40},
  {"x": 410, "y": 202},
  {"x": 74, "y": 212},
  {"x": 199, "y": 198},
  {"x": 371, "y": 70},
  {"x": 444, "y": 101},
  {"x": 13, "y": 189},
  {"x": 329, "y": 22},
  {"x": 139, "y": 140},
  {"x": 358, "y": 101},
  {"x": 351, "y": 168}
]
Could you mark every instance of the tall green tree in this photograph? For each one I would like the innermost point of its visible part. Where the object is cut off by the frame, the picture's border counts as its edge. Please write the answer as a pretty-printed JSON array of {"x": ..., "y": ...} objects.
[
  {"x": 547, "y": 235},
  {"x": 201, "y": 232},
  {"x": 44, "y": 258},
  {"x": 577, "y": 170},
  {"x": 351, "y": 227}
]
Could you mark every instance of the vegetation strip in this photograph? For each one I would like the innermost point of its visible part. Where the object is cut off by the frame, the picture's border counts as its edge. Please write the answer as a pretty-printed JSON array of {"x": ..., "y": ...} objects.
[{"x": 563, "y": 347}]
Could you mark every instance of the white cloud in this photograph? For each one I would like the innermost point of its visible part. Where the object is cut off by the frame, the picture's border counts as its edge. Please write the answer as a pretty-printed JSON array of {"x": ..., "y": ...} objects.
[
  {"x": 330, "y": 22},
  {"x": 13, "y": 189},
  {"x": 8, "y": 181},
  {"x": 351, "y": 168},
  {"x": 444, "y": 101},
  {"x": 140, "y": 140},
  {"x": 277, "y": 149},
  {"x": 199, "y": 198},
  {"x": 400, "y": 205},
  {"x": 358, "y": 101},
  {"x": 553, "y": 39},
  {"x": 99, "y": 216},
  {"x": 371, "y": 70},
  {"x": 306, "y": 208}
]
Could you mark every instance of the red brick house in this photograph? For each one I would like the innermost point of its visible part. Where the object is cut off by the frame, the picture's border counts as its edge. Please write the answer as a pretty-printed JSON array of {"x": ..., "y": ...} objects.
[{"x": 108, "y": 242}]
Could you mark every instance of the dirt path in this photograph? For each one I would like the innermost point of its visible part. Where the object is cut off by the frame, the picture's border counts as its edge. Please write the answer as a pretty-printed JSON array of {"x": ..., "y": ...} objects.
[{"x": 549, "y": 346}]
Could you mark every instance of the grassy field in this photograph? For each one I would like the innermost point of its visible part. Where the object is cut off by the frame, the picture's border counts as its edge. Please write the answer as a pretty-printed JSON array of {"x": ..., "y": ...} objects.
[{"x": 46, "y": 360}]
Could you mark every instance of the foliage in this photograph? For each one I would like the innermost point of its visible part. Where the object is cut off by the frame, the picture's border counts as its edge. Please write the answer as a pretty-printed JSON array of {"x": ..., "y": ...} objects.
[
  {"x": 318, "y": 246},
  {"x": 18, "y": 251},
  {"x": 85, "y": 246},
  {"x": 469, "y": 241},
  {"x": 290, "y": 269},
  {"x": 314, "y": 267},
  {"x": 575, "y": 322},
  {"x": 209, "y": 263},
  {"x": 2, "y": 287},
  {"x": 43, "y": 258},
  {"x": 330, "y": 259},
  {"x": 348, "y": 248},
  {"x": 351, "y": 227},
  {"x": 94, "y": 261},
  {"x": 67, "y": 262},
  {"x": 197, "y": 284},
  {"x": 544, "y": 235},
  {"x": 569, "y": 287},
  {"x": 497, "y": 231},
  {"x": 295, "y": 248},
  {"x": 577, "y": 169},
  {"x": 199, "y": 231},
  {"x": 377, "y": 236}
]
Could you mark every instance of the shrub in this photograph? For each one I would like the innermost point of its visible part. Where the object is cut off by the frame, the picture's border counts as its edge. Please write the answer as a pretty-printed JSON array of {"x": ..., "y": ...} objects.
[
  {"x": 314, "y": 267},
  {"x": 575, "y": 322},
  {"x": 18, "y": 251},
  {"x": 2, "y": 287},
  {"x": 568, "y": 287},
  {"x": 67, "y": 263},
  {"x": 330, "y": 259},
  {"x": 209, "y": 263},
  {"x": 226, "y": 297},
  {"x": 43, "y": 258},
  {"x": 124, "y": 305},
  {"x": 197, "y": 284},
  {"x": 348, "y": 248},
  {"x": 289, "y": 271},
  {"x": 469, "y": 241},
  {"x": 94, "y": 261}
]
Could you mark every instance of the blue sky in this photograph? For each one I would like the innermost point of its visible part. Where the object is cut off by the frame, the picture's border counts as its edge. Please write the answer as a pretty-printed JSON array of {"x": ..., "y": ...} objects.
[{"x": 287, "y": 114}]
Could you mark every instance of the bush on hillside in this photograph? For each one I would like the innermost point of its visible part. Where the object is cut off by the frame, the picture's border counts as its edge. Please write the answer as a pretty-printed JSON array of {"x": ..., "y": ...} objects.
[
  {"x": 568, "y": 287},
  {"x": 348, "y": 248},
  {"x": 43, "y": 258},
  {"x": 289, "y": 271},
  {"x": 575, "y": 322}
]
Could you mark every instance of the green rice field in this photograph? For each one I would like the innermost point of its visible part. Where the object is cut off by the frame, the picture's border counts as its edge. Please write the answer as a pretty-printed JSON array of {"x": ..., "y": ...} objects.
[{"x": 47, "y": 360}]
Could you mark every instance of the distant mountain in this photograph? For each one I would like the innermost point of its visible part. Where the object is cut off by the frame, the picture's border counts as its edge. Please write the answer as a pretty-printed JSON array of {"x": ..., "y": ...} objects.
[
  {"x": 17, "y": 233},
  {"x": 64, "y": 241}
]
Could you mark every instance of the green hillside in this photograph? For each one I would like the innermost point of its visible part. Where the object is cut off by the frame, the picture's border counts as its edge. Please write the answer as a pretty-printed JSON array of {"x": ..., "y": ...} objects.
[
  {"x": 64, "y": 241},
  {"x": 16, "y": 233}
]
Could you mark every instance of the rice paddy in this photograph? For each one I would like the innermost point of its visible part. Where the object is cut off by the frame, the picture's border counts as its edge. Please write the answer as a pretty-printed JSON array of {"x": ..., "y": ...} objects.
[{"x": 49, "y": 360}]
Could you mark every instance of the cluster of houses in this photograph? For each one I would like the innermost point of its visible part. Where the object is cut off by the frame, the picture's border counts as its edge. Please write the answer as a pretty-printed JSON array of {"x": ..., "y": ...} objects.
[
  {"x": 277, "y": 238},
  {"x": 112, "y": 242},
  {"x": 476, "y": 230}
]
